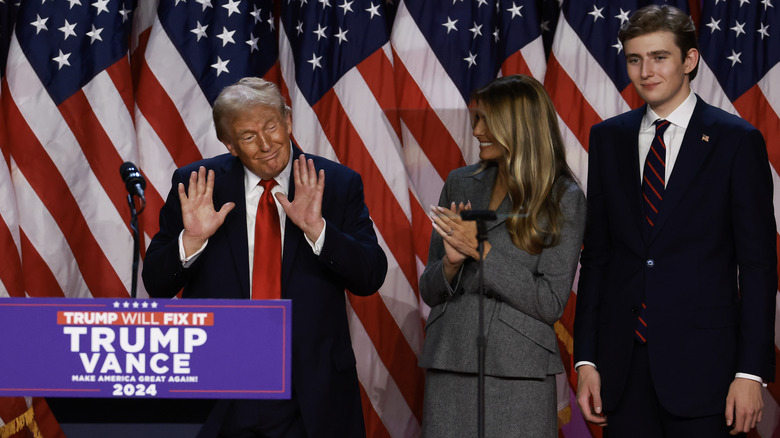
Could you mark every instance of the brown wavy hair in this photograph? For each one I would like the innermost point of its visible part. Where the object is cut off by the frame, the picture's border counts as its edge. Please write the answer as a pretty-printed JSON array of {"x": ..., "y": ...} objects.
[{"x": 522, "y": 118}]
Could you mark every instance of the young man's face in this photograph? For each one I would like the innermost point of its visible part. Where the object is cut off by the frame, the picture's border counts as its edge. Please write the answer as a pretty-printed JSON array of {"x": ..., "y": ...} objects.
[{"x": 658, "y": 71}]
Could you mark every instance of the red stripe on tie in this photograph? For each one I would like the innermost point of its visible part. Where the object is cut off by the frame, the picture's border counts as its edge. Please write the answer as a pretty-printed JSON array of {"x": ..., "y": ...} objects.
[{"x": 653, "y": 188}]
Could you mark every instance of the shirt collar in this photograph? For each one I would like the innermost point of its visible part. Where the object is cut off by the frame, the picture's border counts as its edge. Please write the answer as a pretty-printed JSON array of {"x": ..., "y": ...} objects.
[{"x": 681, "y": 116}]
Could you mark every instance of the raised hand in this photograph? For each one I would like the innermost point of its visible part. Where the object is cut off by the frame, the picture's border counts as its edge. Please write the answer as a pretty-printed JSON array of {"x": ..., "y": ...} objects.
[
  {"x": 200, "y": 218},
  {"x": 305, "y": 210}
]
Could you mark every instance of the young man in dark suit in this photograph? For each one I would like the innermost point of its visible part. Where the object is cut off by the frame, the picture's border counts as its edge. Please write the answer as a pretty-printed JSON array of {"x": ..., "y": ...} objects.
[
  {"x": 674, "y": 326},
  {"x": 325, "y": 243}
]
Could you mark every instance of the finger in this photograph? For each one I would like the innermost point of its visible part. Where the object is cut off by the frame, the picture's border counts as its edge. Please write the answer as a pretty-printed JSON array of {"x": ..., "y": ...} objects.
[
  {"x": 312, "y": 172},
  {"x": 283, "y": 201},
  {"x": 201, "y": 184},
  {"x": 729, "y": 411},
  {"x": 211, "y": 176},
  {"x": 321, "y": 181},
  {"x": 225, "y": 209},
  {"x": 192, "y": 188},
  {"x": 182, "y": 194}
]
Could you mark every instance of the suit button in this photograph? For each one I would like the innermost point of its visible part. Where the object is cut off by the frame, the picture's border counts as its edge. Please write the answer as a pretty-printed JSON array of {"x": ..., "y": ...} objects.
[{"x": 650, "y": 263}]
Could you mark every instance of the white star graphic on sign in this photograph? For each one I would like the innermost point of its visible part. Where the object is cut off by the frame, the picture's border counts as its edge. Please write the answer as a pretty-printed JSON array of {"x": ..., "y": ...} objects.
[
  {"x": 101, "y": 5},
  {"x": 226, "y": 36},
  {"x": 476, "y": 30},
  {"x": 154, "y": 304},
  {"x": 739, "y": 28},
  {"x": 450, "y": 25},
  {"x": 135, "y": 304},
  {"x": 68, "y": 29},
  {"x": 40, "y": 24},
  {"x": 315, "y": 62},
  {"x": 299, "y": 28},
  {"x": 232, "y": 6},
  {"x": 200, "y": 30},
  {"x": 205, "y": 3},
  {"x": 471, "y": 59},
  {"x": 515, "y": 10},
  {"x": 125, "y": 304},
  {"x": 596, "y": 12},
  {"x": 221, "y": 66},
  {"x": 623, "y": 15},
  {"x": 94, "y": 34},
  {"x": 125, "y": 13},
  {"x": 320, "y": 32},
  {"x": 252, "y": 41},
  {"x": 764, "y": 31},
  {"x": 734, "y": 58},
  {"x": 342, "y": 35},
  {"x": 346, "y": 6},
  {"x": 618, "y": 45},
  {"x": 72, "y": 3},
  {"x": 713, "y": 25},
  {"x": 256, "y": 13},
  {"x": 145, "y": 304},
  {"x": 374, "y": 10},
  {"x": 116, "y": 304},
  {"x": 767, "y": 4}
]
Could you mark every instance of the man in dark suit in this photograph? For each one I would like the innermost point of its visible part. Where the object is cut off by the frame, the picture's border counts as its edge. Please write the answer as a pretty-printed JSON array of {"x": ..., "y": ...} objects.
[
  {"x": 205, "y": 246},
  {"x": 674, "y": 323}
]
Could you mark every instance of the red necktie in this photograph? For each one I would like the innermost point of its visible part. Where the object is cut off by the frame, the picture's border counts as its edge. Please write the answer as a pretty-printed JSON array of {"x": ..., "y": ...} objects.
[
  {"x": 267, "y": 265},
  {"x": 653, "y": 186},
  {"x": 653, "y": 183}
]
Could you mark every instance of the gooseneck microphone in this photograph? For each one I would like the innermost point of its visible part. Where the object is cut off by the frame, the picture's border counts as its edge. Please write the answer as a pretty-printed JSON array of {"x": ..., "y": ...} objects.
[{"x": 134, "y": 181}]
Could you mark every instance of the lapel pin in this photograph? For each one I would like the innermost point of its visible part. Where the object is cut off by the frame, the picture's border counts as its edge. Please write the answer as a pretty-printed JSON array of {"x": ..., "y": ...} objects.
[{"x": 705, "y": 137}]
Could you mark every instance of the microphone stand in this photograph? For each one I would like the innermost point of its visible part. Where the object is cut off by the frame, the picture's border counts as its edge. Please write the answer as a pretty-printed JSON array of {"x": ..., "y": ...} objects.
[
  {"x": 136, "y": 243},
  {"x": 481, "y": 216}
]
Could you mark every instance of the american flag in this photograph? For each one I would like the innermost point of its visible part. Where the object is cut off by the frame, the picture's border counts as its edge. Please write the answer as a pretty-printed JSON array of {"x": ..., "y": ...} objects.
[{"x": 380, "y": 87}]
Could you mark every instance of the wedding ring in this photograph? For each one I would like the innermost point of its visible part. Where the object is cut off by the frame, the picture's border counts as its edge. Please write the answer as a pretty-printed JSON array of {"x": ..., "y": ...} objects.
[{"x": 449, "y": 233}]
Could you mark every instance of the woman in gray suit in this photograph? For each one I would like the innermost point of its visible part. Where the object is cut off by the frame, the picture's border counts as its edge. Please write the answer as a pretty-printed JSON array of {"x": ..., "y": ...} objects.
[{"x": 530, "y": 259}]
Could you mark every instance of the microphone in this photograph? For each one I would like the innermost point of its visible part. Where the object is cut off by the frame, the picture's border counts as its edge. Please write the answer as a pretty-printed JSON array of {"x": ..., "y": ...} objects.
[
  {"x": 134, "y": 181},
  {"x": 475, "y": 215}
]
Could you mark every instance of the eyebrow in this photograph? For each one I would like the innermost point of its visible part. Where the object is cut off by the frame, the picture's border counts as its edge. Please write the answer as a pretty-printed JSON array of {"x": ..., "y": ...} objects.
[{"x": 651, "y": 54}]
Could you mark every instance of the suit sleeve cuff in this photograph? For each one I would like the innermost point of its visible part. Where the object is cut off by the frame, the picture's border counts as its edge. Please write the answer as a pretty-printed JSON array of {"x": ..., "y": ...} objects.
[
  {"x": 583, "y": 362},
  {"x": 186, "y": 262},
  {"x": 750, "y": 377}
]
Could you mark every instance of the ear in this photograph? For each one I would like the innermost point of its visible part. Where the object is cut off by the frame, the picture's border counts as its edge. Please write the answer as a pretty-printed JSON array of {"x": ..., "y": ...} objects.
[
  {"x": 288, "y": 122},
  {"x": 691, "y": 60},
  {"x": 229, "y": 145}
]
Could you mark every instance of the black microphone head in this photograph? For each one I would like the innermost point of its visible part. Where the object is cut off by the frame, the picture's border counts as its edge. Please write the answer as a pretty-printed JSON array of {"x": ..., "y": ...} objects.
[
  {"x": 131, "y": 176},
  {"x": 473, "y": 215}
]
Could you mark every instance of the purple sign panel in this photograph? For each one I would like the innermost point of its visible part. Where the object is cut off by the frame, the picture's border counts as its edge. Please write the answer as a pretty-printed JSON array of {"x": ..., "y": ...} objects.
[{"x": 102, "y": 347}]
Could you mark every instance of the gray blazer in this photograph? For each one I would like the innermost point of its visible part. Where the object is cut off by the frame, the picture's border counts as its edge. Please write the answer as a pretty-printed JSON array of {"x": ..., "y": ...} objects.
[{"x": 526, "y": 293}]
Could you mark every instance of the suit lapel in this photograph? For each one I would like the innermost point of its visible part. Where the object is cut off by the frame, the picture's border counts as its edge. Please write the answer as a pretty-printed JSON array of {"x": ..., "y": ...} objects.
[
  {"x": 292, "y": 234},
  {"x": 693, "y": 152},
  {"x": 232, "y": 189},
  {"x": 627, "y": 158},
  {"x": 479, "y": 195}
]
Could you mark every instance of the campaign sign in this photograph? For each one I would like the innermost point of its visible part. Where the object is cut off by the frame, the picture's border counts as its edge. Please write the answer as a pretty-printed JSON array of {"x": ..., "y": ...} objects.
[{"x": 102, "y": 347}]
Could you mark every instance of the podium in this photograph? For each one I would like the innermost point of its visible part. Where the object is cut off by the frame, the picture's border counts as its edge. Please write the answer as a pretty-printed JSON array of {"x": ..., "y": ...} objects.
[{"x": 136, "y": 367}]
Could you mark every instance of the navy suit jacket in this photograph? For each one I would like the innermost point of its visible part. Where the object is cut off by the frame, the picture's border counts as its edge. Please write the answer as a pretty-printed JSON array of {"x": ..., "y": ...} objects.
[
  {"x": 324, "y": 377},
  {"x": 707, "y": 271}
]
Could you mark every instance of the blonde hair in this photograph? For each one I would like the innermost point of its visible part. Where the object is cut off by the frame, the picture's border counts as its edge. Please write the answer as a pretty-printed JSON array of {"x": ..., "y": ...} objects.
[
  {"x": 246, "y": 93},
  {"x": 522, "y": 118}
]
